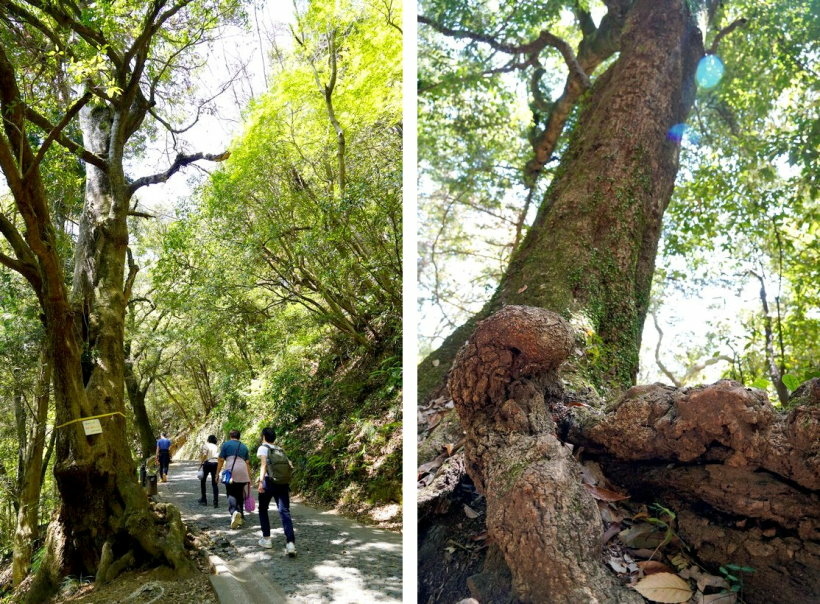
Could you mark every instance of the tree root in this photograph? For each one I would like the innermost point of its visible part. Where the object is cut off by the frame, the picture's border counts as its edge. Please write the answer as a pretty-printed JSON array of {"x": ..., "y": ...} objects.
[
  {"x": 742, "y": 476},
  {"x": 543, "y": 521}
]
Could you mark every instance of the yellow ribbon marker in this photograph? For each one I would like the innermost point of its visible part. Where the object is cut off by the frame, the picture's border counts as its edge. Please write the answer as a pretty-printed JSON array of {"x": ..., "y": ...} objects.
[{"x": 81, "y": 419}]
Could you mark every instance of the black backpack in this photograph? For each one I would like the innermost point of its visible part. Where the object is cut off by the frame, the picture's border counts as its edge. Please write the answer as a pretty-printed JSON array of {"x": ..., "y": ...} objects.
[{"x": 278, "y": 467}]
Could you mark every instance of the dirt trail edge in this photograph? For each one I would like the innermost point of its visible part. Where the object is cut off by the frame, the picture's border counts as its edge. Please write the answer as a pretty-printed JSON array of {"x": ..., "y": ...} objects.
[{"x": 338, "y": 560}]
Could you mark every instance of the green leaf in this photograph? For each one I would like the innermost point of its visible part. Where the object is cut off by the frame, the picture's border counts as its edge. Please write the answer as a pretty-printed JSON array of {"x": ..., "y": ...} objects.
[
  {"x": 791, "y": 382},
  {"x": 762, "y": 383}
]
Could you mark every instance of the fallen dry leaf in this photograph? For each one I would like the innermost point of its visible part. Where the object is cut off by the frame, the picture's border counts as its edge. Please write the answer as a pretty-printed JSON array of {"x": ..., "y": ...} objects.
[
  {"x": 521, "y": 290},
  {"x": 703, "y": 579},
  {"x": 480, "y": 536},
  {"x": 641, "y": 536},
  {"x": 617, "y": 565},
  {"x": 650, "y": 567},
  {"x": 576, "y": 404},
  {"x": 605, "y": 494},
  {"x": 664, "y": 587},
  {"x": 431, "y": 466},
  {"x": 611, "y": 532},
  {"x": 451, "y": 448},
  {"x": 470, "y": 512}
]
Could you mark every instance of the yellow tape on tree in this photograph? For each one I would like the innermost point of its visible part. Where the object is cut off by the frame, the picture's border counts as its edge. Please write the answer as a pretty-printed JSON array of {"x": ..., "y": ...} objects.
[{"x": 81, "y": 419}]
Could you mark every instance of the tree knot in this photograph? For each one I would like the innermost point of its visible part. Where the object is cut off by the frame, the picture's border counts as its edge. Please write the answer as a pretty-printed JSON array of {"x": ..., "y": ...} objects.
[{"x": 516, "y": 342}]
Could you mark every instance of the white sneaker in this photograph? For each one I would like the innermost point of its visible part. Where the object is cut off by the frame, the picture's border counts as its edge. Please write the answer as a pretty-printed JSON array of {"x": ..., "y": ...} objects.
[
  {"x": 236, "y": 520},
  {"x": 290, "y": 548},
  {"x": 265, "y": 542}
]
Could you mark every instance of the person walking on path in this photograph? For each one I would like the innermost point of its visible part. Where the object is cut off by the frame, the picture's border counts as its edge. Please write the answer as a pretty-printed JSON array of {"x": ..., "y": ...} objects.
[
  {"x": 233, "y": 456},
  {"x": 274, "y": 483},
  {"x": 163, "y": 456},
  {"x": 209, "y": 456}
]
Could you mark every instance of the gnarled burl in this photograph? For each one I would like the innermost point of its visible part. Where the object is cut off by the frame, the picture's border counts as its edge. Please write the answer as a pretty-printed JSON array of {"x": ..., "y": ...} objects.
[{"x": 544, "y": 522}]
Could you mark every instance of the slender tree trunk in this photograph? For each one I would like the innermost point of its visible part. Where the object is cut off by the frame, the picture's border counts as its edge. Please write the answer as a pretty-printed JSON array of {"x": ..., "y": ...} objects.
[
  {"x": 136, "y": 396},
  {"x": 179, "y": 405},
  {"x": 775, "y": 372},
  {"x": 30, "y": 480},
  {"x": 590, "y": 253}
]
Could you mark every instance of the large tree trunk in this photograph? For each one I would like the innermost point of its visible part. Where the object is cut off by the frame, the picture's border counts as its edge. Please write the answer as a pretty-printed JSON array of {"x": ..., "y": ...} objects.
[
  {"x": 30, "y": 480},
  {"x": 538, "y": 513},
  {"x": 589, "y": 257},
  {"x": 103, "y": 522},
  {"x": 590, "y": 253}
]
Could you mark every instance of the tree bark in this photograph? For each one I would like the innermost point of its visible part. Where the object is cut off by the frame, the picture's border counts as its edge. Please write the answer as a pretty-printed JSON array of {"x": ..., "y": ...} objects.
[
  {"x": 136, "y": 396},
  {"x": 590, "y": 253}
]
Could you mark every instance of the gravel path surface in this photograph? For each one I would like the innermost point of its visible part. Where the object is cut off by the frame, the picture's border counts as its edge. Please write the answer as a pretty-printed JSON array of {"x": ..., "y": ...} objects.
[{"x": 338, "y": 560}]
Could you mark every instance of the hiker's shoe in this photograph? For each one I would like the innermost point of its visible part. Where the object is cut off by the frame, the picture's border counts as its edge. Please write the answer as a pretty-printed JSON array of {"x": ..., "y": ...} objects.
[
  {"x": 202, "y": 502},
  {"x": 236, "y": 520},
  {"x": 265, "y": 542},
  {"x": 290, "y": 548},
  {"x": 216, "y": 505}
]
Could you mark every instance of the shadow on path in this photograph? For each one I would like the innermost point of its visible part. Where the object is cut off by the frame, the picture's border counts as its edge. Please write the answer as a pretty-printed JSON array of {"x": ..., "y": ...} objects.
[{"x": 338, "y": 560}]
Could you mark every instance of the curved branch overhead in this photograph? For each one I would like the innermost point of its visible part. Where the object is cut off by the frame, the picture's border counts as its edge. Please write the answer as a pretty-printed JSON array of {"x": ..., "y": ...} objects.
[{"x": 180, "y": 162}]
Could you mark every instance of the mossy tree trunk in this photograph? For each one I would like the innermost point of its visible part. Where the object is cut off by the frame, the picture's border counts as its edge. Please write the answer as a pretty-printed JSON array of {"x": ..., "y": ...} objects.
[
  {"x": 103, "y": 516},
  {"x": 590, "y": 253}
]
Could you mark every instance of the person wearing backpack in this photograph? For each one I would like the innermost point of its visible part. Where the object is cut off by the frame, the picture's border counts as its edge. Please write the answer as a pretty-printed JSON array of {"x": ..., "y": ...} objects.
[
  {"x": 274, "y": 483},
  {"x": 233, "y": 456}
]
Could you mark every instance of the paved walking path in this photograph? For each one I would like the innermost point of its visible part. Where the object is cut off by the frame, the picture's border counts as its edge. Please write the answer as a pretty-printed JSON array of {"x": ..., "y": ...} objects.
[{"x": 338, "y": 560}]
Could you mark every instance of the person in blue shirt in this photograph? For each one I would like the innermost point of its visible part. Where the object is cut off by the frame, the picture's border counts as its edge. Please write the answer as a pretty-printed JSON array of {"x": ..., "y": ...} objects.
[
  {"x": 234, "y": 456},
  {"x": 163, "y": 456}
]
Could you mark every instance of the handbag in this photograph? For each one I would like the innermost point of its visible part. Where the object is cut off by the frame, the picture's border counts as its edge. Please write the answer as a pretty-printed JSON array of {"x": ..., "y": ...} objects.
[
  {"x": 250, "y": 502},
  {"x": 225, "y": 476},
  {"x": 200, "y": 474}
]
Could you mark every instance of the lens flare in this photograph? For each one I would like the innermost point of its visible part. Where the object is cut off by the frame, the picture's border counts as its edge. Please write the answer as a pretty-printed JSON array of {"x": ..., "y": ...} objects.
[
  {"x": 675, "y": 133},
  {"x": 682, "y": 133},
  {"x": 709, "y": 72}
]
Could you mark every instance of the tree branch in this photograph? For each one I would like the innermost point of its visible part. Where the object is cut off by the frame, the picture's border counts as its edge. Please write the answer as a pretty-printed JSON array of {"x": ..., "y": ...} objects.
[
  {"x": 55, "y": 132},
  {"x": 93, "y": 37},
  {"x": 724, "y": 32},
  {"x": 180, "y": 162},
  {"x": 133, "y": 269},
  {"x": 137, "y": 214},
  {"x": 533, "y": 47},
  {"x": 46, "y": 126},
  {"x": 658, "y": 362}
]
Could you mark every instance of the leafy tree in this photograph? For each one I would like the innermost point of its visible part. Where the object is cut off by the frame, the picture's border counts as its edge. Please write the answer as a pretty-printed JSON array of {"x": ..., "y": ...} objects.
[{"x": 122, "y": 62}]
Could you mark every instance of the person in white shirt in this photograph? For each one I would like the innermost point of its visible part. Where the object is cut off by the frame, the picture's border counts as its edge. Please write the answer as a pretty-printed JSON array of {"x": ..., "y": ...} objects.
[{"x": 209, "y": 456}]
